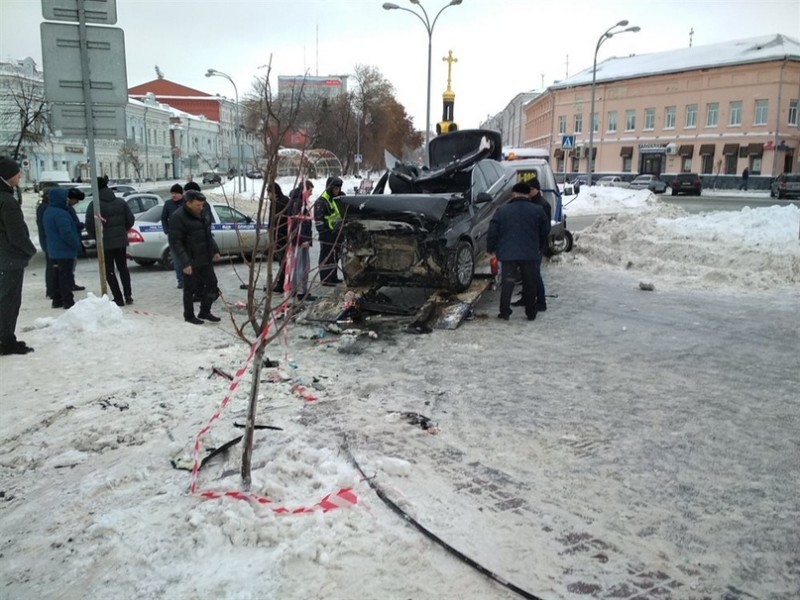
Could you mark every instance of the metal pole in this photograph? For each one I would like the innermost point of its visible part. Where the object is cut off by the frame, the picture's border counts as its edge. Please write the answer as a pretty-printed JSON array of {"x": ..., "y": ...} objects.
[
  {"x": 87, "y": 106},
  {"x": 428, "y": 99},
  {"x": 146, "y": 145}
]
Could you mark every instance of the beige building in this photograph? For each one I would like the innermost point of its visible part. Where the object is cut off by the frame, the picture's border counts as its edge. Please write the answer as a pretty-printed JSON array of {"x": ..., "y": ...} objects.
[{"x": 714, "y": 110}]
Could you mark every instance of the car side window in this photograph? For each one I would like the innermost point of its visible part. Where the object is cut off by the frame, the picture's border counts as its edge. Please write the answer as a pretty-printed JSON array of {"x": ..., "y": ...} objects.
[
  {"x": 134, "y": 204},
  {"x": 230, "y": 215},
  {"x": 148, "y": 202},
  {"x": 479, "y": 183}
]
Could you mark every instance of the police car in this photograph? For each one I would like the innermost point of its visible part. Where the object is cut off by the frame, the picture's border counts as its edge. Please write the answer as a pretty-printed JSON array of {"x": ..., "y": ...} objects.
[
  {"x": 138, "y": 203},
  {"x": 234, "y": 232}
]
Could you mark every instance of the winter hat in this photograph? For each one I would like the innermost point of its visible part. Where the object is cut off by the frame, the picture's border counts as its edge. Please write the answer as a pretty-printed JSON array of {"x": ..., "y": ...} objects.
[
  {"x": 75, "y": 194},
  {"x": 102, "y": 182},
  {"x": 191, "y": 185},
  {"x": 8, "y": 168},
  {"x": 521, "y": 188},
  {"x": 333, "y": 182},
  {"x": 534, "y": 183},
  {"x": 176, "y": 189}
]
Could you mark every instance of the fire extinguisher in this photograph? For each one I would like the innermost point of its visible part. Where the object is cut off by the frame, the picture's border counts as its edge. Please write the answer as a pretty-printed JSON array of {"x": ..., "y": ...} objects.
[{"x": 494, "y": 266}]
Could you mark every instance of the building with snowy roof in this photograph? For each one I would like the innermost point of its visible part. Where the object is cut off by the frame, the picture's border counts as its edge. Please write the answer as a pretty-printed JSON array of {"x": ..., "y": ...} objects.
[{"x": 714, "y": 109}]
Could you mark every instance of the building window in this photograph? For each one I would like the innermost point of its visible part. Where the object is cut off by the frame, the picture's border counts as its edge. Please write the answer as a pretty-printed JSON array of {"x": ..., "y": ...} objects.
[
  {"x": 578, "y": 123},
  {"x": 562, "y": 125},
  {"x": 730, "y": 164},
  {"x": 762, "y": 108},
  {"x": 712, "y": 114},
  {"x": 686, "y": 164},
  {"x": 793, "y": 112},
  {"x": 691, "y": 116},
  {"x": 669, "y": 118},
  {"x": 627, "y": 164},
  {"x": 596, "y": 122},
  {"x": 708, "y": 164},
  {"x": 736, "y": 114},
  {"x": 649, "y": 119},
  {"x": 630, "y": 120},
  {"x": 612, "y": 121}
]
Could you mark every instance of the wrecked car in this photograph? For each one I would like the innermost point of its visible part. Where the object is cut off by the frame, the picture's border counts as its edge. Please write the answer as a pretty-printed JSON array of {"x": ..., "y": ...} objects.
[{"x": 427, "y": 227}]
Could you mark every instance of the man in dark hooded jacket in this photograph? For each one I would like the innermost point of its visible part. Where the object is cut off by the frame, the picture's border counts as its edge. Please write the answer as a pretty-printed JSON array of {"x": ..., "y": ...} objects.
[
  {"x": 63, "y": 245},
  {"x": 16, "y": 250},
  {"x": 328, "y": 221},
  {"x": 117, "y": 219}
]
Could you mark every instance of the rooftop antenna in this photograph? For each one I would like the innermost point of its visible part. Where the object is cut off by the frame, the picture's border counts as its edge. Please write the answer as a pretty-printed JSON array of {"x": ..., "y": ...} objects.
[
  {"x": 567, "y": 72},
  {"x": 691, "y": 33},
  {"x": 159, "y": 73}
]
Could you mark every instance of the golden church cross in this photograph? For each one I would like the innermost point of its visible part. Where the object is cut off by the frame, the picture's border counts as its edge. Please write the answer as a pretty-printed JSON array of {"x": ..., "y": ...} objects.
[{"x": 449, "y": 59}]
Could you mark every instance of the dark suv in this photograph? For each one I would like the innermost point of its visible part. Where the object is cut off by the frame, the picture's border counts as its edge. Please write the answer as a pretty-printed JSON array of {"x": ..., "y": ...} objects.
[
  {"x": 427, "y": 228},
  {"x": 687, "y": 183}
]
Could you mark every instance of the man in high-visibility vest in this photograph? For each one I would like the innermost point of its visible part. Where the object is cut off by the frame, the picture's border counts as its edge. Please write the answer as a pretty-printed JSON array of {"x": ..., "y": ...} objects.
[{"x": 328, "y": 221}]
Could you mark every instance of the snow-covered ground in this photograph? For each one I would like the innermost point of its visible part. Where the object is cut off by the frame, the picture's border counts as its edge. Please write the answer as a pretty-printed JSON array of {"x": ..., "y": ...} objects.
[{"x": 624, "y": 441}]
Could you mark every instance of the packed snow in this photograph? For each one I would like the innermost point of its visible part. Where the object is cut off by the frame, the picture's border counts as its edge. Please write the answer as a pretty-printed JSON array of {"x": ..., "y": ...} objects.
[{"x": 95, "y": 421}]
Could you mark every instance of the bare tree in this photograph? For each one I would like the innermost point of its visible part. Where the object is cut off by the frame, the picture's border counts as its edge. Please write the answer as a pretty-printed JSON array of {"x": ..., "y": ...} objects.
[
  {"x": 130, "y": 153},
  {"x": 24, "y": 111}
]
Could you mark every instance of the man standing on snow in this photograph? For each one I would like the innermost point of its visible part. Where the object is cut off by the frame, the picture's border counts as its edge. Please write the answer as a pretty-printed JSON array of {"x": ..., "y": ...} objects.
[
  {"x": 175, "y": 202},
  {"x": 328, "y": 221},
  {"x": 745, "y": 177},
  {"x": 191, "y": 240},
  {"x": 537, "y": 198},
  {"x": 16, "y": 250},
  {"x": 515, "y": 236},
  {"x": 63, "y": 246}
]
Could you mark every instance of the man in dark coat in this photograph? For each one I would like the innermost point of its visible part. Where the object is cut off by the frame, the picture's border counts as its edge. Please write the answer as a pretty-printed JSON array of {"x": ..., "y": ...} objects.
[
  {"x": 63, "y": 245},
  {"x": 117, "y": 219},
  {"x": 175, "y": 202},
  {"x": 190, "y": 238},
  {"x": 278, "y": 206},
  {"x": 538, "y": 199},
  {"x": 516, "y": 236},
  {"x": 16, "y": 250},
  {"x": 328, "y": 221}
]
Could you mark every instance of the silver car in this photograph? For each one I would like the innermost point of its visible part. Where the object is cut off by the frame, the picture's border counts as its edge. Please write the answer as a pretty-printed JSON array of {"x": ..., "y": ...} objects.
[
  {"x": 234, "y": 232},
  {"x": 649, "y": 182},
  {"x": 613, "y": 181}
]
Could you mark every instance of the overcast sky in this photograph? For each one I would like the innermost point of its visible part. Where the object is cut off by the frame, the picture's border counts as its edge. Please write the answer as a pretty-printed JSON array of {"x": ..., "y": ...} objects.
[{"x": 503, "y": 47}]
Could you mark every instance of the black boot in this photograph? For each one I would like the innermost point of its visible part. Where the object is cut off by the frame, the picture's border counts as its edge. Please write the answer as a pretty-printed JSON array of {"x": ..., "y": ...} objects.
[
  {"x": 207, "y": 316},
  {"x": 193, "y": 320}
]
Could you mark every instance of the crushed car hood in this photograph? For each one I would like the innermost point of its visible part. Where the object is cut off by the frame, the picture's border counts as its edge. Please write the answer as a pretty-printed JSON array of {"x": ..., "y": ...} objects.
[{"x": 396, "y": 206}]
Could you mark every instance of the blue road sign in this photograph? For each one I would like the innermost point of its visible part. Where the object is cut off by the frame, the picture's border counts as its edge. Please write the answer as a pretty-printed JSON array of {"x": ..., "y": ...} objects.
[{"x": 567, "y": 142}]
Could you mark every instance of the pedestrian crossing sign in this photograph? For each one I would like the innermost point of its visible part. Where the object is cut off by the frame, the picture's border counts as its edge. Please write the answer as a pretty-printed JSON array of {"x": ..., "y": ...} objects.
[{"x": 567, "y": 142}]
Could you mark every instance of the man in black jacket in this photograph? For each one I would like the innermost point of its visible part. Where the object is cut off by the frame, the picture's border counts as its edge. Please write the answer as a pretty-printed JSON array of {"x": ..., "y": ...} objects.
[
  {"x": 173, "y": 204},
  {"x": 16, "y": 250},
  {"x": 117, "y": 219},
  {"x": 190, "y": 238},
  {"x": 516, "y": 236}
]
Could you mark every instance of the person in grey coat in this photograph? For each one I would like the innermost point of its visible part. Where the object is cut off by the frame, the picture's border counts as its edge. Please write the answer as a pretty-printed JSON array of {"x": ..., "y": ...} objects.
[
  {"x": 16, "y": 250},
  {"x": 117, "y": 219},
  {"x": 517, "y": 234}
]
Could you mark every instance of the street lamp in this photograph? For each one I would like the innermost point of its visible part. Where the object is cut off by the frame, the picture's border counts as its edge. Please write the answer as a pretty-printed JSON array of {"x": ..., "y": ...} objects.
[
  {"x": 429, "y": 28},
  {"x": 212, "y": 73},
  {"x": 608, "y": 34}
]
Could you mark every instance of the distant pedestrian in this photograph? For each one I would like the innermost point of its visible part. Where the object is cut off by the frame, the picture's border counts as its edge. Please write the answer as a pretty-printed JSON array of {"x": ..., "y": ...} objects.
[
  {"x": 191, "y": 239},
  {"x": 117, "y": 219},
  {"x": 170, "y": 206},
  {"x": 516, "y": 236},
  {"x": 63, "y": 246},
  {"x": 16, "y": 250},
  {"x": 328, "y": 221},
  {"x": 745, "y": 178}
]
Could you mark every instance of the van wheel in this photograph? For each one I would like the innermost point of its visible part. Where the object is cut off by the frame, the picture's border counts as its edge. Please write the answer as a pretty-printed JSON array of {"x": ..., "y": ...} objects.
[
  {"x": 460, "y": 267},
  {"x": 143, "y": 262}
]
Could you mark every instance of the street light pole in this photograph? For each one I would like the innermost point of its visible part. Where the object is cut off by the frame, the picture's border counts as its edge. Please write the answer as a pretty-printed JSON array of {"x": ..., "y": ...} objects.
[
  {"x": 608, "y": 34},
  {"x": 429, "y": 28},
  {"x": 212, "y": 73}
]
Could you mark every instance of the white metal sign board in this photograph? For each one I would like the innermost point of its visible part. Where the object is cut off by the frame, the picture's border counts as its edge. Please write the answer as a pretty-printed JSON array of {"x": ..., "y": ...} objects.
[
  {"x": 61, "y": 64},
  {"x": 95, "y": 11},
  {"x": 567, "y": 142}
]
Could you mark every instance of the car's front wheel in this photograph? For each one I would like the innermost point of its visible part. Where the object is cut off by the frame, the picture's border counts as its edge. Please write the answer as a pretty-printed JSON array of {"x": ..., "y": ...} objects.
[
  {"x": 166, "y": 260},
  {"x": 460, "y": 267},
  {"x": 144, "y": 263}
]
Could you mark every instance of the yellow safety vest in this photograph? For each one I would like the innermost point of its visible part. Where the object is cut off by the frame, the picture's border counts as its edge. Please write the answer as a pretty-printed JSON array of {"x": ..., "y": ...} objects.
[{"x": 335, "y": 214}]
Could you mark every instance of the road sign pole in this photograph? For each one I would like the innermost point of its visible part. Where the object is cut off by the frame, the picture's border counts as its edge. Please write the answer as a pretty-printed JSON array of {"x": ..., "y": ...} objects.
[{"x": 87, "y": 103}]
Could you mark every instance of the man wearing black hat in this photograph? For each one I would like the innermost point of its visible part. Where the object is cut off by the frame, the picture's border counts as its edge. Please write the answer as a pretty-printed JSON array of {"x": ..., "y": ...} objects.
[
  {"x": 328, "y": 221},
  {"x": 176, "y": 201},
  {"x": 16, "y": 250},
  {"x": 538, "y": 199},
  {"x": 515, "y": 236}
]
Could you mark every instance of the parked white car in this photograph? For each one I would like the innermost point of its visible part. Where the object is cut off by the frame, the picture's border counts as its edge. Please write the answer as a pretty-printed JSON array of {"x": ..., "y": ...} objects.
[
  {"x": 613, "y": 181},
  {"x": 234, "y": 232},
  {"x": 649, "y": 182}
]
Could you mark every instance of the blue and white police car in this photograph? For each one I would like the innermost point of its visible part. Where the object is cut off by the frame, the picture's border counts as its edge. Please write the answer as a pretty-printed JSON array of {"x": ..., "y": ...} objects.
[{"x": 234, "y": 232}]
